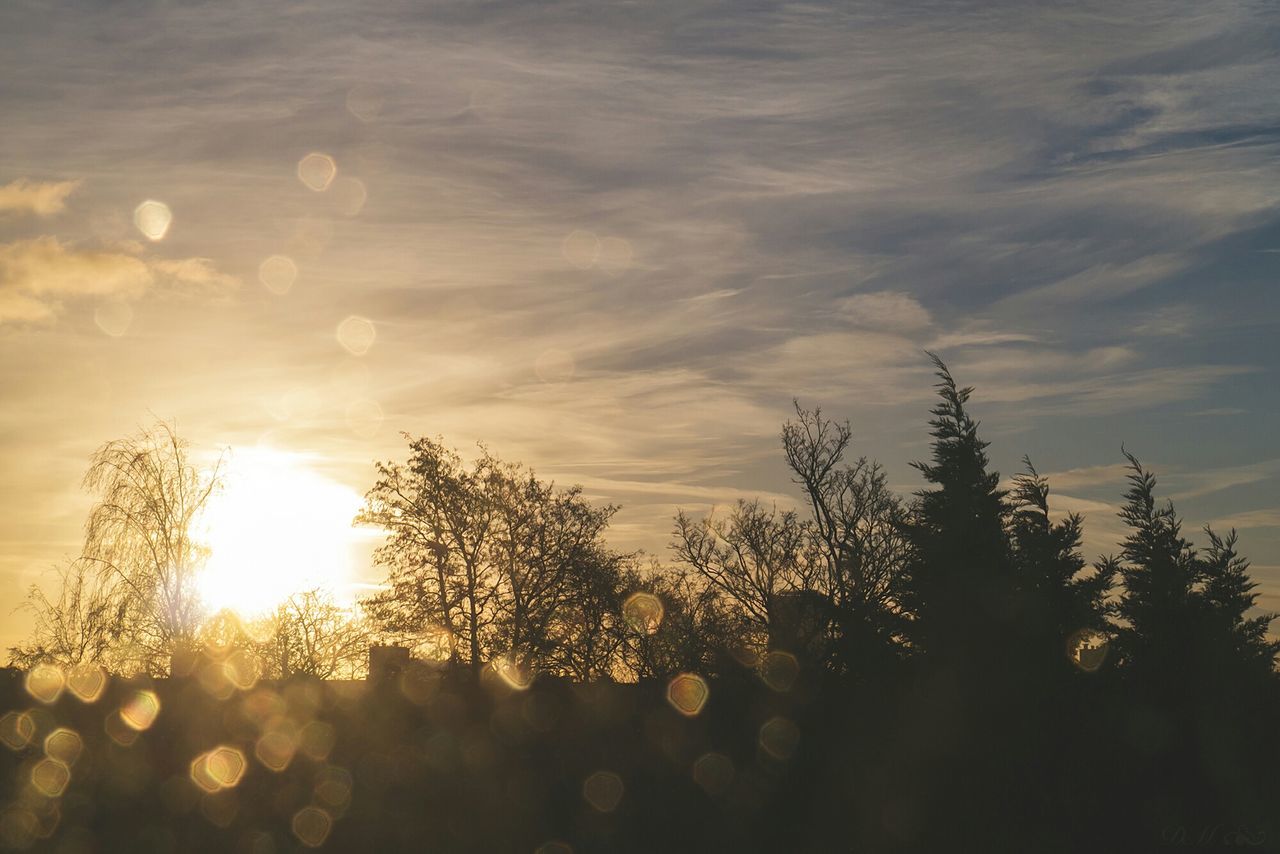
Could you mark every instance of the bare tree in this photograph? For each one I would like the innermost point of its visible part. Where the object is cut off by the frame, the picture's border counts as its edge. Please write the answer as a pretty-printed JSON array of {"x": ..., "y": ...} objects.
[
  {"x": 139, "y": 537},
  {"x": 81, "y": 626},
  {"x": 544, "y": 539},
  {"x": 486, "y": 551},
  {"x": 751, "y": 556},
  {"x": 312, "y": 635},
  {"x": 858, "y": 521}
]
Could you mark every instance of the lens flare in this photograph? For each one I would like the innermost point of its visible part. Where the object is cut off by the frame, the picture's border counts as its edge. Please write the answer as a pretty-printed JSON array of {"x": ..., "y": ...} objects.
[
  {"x": 512, "y": 673},
  {"x": 1087, "y": 650},
  {"x": 317, "y": 171},
  {"x": 581, "y": 249},
  {"x": 50, "y": 777},
  {"x": 312, "y": 825},
  {"x": 45, "y": 683},
  {"x": 713, "y": 772},
  {"x": 603, "y": 790},
  {"x": 139, "y": 712},
  {"x": 316, "y": 740},
  {"x": 688, "y": 693},
  {"x": 86, "y": 682},
  {"x": 64, "y": 745},
  {"x": 356, "y": 334},
  {"x": 17, "y": 729},
  {"x": 242, "y": 669},
  {"x": 643, "y": 613},
  {"x": 277, "y": 274},
  {"x": 365, "y": 417},
  {"x": 333, "y": 787},
  {"x": 779, "y": 737},
  {"x": 276, "y": 747},
  {"x": 779, "y": 670},
  {"x": 153, "y": 219},
  {"x": 217, "y": 769},
  {"x": 616, "y": 255},
  {"x": 114, "y": 317}
]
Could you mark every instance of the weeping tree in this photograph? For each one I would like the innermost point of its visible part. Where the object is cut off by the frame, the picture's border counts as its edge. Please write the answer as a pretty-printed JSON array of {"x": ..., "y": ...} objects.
[{"x": 139, "y": 540}]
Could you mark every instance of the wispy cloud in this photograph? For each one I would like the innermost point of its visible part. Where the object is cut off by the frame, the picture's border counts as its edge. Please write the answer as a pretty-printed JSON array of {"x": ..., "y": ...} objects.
[
  {"x": 39, "y": 198},
  {"x": 37, "y": 275},
  {"x": 697, "y": 215}
]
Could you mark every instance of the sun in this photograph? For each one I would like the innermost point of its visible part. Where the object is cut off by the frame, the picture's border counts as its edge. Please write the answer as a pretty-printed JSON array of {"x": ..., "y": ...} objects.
[{"x": 276, "y": 528}]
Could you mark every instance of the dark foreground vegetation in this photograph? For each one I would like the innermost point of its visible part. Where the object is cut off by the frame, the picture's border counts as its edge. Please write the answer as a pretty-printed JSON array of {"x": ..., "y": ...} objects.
[{"x": 944, "y": 673}]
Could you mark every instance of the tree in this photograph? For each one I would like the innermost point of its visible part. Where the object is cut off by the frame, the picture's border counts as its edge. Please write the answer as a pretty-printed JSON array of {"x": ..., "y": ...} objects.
[
  {"x": 1057, "y": 600},
  {"x": 750, "y": 557},
  {"x": 489, "y": 552},
  {"x": 139, "y": 538},
  {"x": 698, "y": 629},
  {"x": 311, "y": 635},
  {"x": 438, "y": 525},
  {"x": 588, "y": 636},
  {"x": 960, "y": 576},
  {"x": 1183, "y": 614},
  {"x": 545, "y": 548},
  {"x": 858, "y": 521},
  {"x": 81, "y": 626},
  {"x": 1228, "y": 592}
]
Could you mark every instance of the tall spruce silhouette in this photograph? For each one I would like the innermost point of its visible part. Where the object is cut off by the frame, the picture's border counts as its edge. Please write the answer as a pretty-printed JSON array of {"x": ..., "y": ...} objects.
[
  {"x": 1059, "y": 604},
  {"x": 1184, "y": 614},
  {"x": 959, "y": 579},
  {"x": 1198, "y": 688}
]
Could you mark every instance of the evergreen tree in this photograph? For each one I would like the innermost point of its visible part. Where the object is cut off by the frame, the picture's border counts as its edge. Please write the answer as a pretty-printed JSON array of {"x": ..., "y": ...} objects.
[
  {"x": 1161, "y": 612},
  {"x": 1059, "y": 604},
  {"x": 1238, "y": 641},
  {"x": 960, "y": 575}
]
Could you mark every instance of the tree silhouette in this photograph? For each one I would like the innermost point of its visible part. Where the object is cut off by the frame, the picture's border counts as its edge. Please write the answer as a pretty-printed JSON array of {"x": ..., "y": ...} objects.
[
  {"x": 311, "y": 635},
  {"x": 1184, "y": 614},
  {"x": 960, "y": 576},
  {"x": 751, "y": 556},
  {"x": 859, "y": 524},
  {"x": 139, "y": 538},
  {"x": 1059, "y": 605},
  {"x": 82, "y": 625},
  {"x": 488, "y": 552}
]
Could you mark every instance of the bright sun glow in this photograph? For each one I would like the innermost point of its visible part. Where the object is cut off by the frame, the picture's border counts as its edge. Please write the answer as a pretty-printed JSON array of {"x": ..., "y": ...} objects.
[{"x": 276, "y": 528}]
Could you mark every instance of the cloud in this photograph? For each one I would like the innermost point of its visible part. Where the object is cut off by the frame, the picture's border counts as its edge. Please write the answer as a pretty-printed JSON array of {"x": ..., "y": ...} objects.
[
  {"x": 1267, "y": 517},
  {"x": 885, "y": 310},
  {"x": 37, "y": 275},
  {"x": 41, "y": 198}
]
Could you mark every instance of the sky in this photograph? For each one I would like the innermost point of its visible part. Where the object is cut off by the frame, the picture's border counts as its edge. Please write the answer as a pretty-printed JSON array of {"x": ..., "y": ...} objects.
[{"x": 614, "y": 240}]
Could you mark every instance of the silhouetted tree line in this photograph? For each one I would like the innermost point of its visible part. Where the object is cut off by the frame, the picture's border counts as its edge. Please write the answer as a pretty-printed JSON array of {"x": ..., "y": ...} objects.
[{"x": 956, "y": 674}]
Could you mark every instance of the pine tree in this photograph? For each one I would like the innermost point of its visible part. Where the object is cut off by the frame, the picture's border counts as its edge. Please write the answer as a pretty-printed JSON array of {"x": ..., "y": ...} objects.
[
  {"x": 1058, "y": 602},
  {"x": 1160, "y": 612},
  {"x": 959, "y": 578},
  {"x": 1239, "y": 642}
]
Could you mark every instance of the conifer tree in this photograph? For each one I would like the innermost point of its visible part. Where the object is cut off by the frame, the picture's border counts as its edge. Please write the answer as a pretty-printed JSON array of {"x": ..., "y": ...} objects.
[
  {"x": 1058, "y": 601},
  {"x": 959, "y": 577}
]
